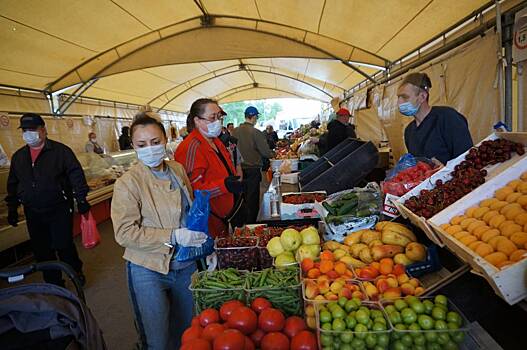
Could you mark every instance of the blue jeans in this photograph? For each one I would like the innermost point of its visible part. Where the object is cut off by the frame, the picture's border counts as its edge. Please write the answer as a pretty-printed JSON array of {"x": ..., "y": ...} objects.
[{"x": 162, "y": 305}]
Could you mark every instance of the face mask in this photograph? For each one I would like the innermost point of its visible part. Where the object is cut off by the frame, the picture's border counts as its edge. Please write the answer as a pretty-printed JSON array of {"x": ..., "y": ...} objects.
[
  {"x": 213, "y": 129},
  {"x": 93, "y": 140},
  {"x": 151, "y": 156},
  {"x": 32, "y": 138},
  {"x": 408, "y": 109}
]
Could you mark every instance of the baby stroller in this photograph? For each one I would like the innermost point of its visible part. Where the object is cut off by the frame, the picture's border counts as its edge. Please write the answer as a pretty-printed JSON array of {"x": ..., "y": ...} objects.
[{"x": 45, "y": 316}]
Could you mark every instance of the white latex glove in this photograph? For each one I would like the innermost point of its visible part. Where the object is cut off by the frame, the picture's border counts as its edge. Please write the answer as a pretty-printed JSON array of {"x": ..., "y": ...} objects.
[
  {"x": 187, "y": 238},
  {"x": 212, "y": 262}
]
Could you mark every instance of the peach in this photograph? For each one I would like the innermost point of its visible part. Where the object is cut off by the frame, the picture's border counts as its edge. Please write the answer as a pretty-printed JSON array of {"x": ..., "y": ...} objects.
[
  {"x": 323, "y": 286},
  {"x": 322, "y": 278},
  {"x": 340, "y": 268},
  {"x": 310, "y": 310},
  {"x": 346, "y": 293},
  {"x": 371, "y": 291},
  {"x": 358, "y": 294},
  {"x": 403, "y": 278},
  {"x": 332, "y": 274},
  {"x": 311, "y": 290},
  {"x": 313, "y": 273},
  {"x": 311, "y": 322},
  {"x": 320, "y": 297},
  {"x": 392, "y": 293},
  {"x": 376, "y": 265},
  {"x": 307, "y": 264},
  {"x": 388, "y": 261},
  {"x": 349, "y": 274},
  {"x": 392, "y": 282},
  {"x": 407, "y": 289},
  {"x": 341, "y": 280},
  {"x": 331, "y": 296},
  {"x": 419, "y": 291},
  {"x": 336, "y": 287},
  {"x": 382, "y": 285},
  {"x": 399, "y": 269},
  {"x": 414, "y": 282}
]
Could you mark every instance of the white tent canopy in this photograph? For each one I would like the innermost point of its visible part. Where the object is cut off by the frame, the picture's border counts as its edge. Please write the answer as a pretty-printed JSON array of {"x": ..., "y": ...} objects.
[{"x": 168, "y": 53}]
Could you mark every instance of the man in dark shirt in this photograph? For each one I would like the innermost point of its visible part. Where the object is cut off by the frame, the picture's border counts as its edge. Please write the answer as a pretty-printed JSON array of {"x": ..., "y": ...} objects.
[
  {"x": 436, "y": 132},
  {"x": 271, "y": 136},
  {"x": 125, "y": 141},
  {"x": 45, "y": 177},
  {"x": 340, "y": 129}
]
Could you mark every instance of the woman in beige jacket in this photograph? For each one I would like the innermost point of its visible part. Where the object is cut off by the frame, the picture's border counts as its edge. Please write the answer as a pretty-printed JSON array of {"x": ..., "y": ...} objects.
[{"x": 149, "y": 209}]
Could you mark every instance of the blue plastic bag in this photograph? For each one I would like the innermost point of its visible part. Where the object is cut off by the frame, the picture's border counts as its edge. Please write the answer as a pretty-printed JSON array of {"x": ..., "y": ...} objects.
[
  {"x": 197, "y": 220},
  {"x": 405, "y": 162}
]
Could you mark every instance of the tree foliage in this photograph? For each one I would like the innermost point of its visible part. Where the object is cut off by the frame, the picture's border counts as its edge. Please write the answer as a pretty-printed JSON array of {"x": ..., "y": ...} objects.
[{"x": 235, "y": 111}]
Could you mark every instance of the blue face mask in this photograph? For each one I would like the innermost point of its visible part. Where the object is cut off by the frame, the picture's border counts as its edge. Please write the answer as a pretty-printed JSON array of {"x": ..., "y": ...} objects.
[
  {"x": 151, "y": 156},
  {"x": 408, "y": 109}
]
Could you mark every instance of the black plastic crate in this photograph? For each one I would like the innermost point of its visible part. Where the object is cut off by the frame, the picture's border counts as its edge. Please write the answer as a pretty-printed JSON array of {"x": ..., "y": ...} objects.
[
  {"x": 348, "y": 172},
  {"x": 327, "y": 160}
]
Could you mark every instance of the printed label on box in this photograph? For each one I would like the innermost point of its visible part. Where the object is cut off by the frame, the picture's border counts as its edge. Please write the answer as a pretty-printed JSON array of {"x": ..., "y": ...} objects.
[{"x": 389, "y": 208}]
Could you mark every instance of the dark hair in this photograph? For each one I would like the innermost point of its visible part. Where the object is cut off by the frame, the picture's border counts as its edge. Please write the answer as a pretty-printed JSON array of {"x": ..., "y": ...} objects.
[
  {"x": 143, "y": 119},
  {"x": 420, "y": 80},
  {"x": 196, "y": 110},
  {"x": 229, "y": 124}
]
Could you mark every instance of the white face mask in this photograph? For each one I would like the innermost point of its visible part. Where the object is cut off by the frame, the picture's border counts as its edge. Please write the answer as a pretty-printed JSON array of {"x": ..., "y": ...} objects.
[
  {"x": 93, "y": 140},
  {"x": 32, "y": 138},
  {"x": 213, "y": 129},
  {"x": 151, "y": 156}
]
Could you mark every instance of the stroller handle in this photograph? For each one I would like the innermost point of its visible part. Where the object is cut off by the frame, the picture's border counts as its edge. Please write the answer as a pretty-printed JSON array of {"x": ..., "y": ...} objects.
[{"x": 45, "y": 266}]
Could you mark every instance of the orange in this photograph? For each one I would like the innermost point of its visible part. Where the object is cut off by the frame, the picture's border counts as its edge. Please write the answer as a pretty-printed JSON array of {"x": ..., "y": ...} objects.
[{"x": 326, "y": 266}]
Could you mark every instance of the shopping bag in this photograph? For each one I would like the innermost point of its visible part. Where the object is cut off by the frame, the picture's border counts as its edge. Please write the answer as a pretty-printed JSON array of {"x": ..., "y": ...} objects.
[
  {"x": 90, "y": 233},
  {"x": 198, "y": 220}
]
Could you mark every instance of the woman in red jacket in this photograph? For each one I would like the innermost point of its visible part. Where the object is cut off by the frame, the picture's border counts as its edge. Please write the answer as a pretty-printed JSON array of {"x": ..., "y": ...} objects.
[{"x": 208, "y": 163}]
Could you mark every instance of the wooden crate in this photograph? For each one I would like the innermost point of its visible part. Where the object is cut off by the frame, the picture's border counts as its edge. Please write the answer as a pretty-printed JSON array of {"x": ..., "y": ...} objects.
[
  {"x": 444, "y": 174},
  {"x": 511, "y": 282}
]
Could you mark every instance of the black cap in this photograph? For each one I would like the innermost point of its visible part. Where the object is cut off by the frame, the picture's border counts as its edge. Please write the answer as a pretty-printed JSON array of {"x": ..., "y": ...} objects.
[
  {"x": 421, "y": 80},
  {"x": 31, "y": 121}
]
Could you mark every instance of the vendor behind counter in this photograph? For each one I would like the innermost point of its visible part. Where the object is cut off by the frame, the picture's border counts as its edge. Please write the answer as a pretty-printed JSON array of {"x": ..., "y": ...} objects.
[{"x": 436, "y": 132}]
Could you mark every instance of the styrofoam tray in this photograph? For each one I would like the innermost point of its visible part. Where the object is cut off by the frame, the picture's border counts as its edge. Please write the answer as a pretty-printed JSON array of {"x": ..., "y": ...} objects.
[
  {"x": 444, "y": 175},
  {"x": 511, "y": 282}
]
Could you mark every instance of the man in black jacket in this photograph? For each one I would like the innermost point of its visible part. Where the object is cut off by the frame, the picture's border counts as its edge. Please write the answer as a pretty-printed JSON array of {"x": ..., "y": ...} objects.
[
  {"x": 340, "y": 129},
  {"x": 44, "y": 177}
]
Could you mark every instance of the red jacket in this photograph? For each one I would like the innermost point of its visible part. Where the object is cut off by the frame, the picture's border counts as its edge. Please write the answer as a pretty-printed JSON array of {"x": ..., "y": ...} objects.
[{"x": 206, "y": 171}]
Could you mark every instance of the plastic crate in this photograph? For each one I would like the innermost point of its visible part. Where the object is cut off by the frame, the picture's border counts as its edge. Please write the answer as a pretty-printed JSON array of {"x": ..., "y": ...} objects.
[
  {"x": 346, "y": 173},
  {"x": 286, "y": 297},
  {"x": 242, "y": 258},
  {"x": 316, "y": 168},
  {"x": 330, "y": 338},
  {"x": 445, "y": 339},
  {"x": 212, "y": 296},
  {"x": 431, "y": 264}
]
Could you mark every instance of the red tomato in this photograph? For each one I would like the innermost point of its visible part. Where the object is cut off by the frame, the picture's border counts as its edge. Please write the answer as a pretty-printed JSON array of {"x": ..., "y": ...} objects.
[
  {"x": 191, "y": 333},
  {"x": 209, "y": 316},
  {"x": 257, "y": 336},
  {"x": 212, "y": 331},
  {"x": 304, "y": 340},
  {"x": 231, "y": 339},
  {"x": 249, "y": 345},
  {"x": 260, "y": 304},
  {"x": 271, "y": 320},
  {"x": 195, "y": 321},
  {"x": 275, "y": 341},
  {"x": 196, "y": 344},
  {"x": 244, "y": 320},
  {"x": 228, "y": 307},
  {"x": 293, "y": 325}
]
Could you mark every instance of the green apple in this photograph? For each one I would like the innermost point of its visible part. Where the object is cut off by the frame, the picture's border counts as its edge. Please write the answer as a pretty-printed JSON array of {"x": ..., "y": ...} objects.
[
  {"x": 310, "y": 251},
  {"x": 290, "y": 239},
  {"x": 310, "y": 236},
  {"x": 274, "y": 247},
  {"x": 284, "y": 259}
]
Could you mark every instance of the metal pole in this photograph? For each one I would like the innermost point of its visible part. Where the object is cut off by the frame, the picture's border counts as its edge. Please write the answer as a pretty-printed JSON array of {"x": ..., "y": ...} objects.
[
  {"x": 499, "y": 54},
  {"x": 521, "y": 95},
  {"x": 508, "y": 32}
]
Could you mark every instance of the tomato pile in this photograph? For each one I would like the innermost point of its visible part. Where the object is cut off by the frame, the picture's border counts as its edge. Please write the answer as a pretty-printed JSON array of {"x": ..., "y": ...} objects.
[
  {"x": 467, "y": 176},
  {"x": 409, "y": 178},
  {"x": 302, "y": 198},
  {"x": 238, "y": 327}
]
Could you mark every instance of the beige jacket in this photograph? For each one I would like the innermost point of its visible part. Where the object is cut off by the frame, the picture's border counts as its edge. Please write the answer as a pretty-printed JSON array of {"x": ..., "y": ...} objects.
[{"x": 145, "y": 211}]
